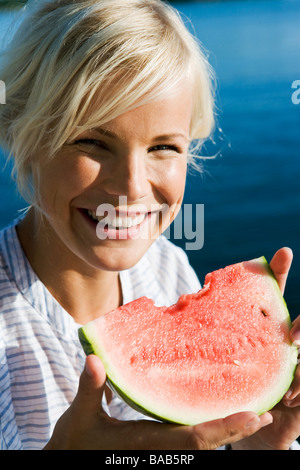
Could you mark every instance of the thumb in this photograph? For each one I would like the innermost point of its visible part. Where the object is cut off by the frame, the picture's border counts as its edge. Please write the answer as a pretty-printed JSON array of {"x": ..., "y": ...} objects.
[
  {"x": 280, "y": 265},
  {"x": 74, "y": 425},
  {"x": 91, "y": 385}
]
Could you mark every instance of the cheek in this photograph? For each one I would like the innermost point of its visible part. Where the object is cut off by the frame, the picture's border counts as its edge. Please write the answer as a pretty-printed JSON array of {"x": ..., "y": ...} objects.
[
  {"x": 84, "y": 172},
  {"x": 174, "y": 180},
  {"x": 62, "y": 180},
  {"x": 173, "y": 186}
]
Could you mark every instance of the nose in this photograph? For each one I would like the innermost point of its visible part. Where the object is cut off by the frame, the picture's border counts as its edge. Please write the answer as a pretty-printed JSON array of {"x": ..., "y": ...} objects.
[{"x": 129, "y": 177}]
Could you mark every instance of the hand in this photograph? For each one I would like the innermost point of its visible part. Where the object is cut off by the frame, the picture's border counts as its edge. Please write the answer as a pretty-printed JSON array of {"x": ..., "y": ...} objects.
[
  {"x": 86, "y": 426},
  {"x": 286, "y": 415}
]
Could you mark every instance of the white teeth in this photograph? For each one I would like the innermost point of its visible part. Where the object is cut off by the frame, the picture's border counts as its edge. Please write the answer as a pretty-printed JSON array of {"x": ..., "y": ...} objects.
[{"x": 118, "y": 222}]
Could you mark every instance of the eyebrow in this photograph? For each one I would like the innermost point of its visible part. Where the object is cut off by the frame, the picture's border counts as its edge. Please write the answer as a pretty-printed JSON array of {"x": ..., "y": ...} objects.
[
  {"x": 171, "y": 136},
  {"x": 159, "y": 138}
]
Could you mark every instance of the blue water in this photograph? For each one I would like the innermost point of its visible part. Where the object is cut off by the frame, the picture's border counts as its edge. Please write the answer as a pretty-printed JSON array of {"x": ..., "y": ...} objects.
[{"x": 251, "y": 189}]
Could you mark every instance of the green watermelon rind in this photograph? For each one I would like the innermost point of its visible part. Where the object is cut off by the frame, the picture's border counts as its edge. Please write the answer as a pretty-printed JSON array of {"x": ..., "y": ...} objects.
[
  {"x": 294, "y": 350},
  {"x": 90, "y": 347}
]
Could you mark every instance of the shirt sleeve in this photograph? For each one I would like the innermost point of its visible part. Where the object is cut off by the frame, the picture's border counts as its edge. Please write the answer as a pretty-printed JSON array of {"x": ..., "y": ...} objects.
[
  {"x": 9, "y": 434},
  {"x": 295, "y": 446}
]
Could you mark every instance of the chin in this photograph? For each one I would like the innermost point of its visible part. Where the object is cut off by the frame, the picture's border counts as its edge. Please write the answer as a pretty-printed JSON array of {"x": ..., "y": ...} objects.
[{"x": 119, "y": 258}]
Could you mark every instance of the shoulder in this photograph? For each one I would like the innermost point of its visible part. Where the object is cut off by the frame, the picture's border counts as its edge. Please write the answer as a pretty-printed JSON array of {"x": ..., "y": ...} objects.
[
  {"x": 13, "y": 304},
  {"x": 6, "y": 254},
  {"x": 7, "y": 245},
  {"x": 8, "y": 257},
  {"x": 9, "y": 437}
]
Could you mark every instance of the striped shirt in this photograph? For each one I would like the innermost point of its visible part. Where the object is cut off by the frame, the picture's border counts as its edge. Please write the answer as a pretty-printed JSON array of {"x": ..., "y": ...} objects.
[{"x": 41, "y": 358}]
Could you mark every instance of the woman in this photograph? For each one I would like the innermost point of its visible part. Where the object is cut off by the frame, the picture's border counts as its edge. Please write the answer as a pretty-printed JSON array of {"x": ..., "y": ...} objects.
[{"x": 104, "y": 99}]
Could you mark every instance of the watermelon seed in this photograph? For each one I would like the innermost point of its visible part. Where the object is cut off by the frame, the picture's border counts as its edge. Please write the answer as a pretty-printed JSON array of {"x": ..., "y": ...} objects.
[
  {"x": 236, "y": 362},
  {"x": 263, "y": 312}
]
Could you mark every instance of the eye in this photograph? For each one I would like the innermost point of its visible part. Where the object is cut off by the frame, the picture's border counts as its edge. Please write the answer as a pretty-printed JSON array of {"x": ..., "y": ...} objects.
[
  {"x": 91, "y": 142},
  {"x": 165, "y": 148}
]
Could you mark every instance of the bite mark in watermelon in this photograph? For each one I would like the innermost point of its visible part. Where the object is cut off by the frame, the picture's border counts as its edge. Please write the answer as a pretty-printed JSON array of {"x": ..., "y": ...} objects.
[{"x": 222, "y": 350}]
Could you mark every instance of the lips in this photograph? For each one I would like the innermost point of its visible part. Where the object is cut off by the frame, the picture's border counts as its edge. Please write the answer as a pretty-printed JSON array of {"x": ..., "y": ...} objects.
[{"x": 125, "y": 222}]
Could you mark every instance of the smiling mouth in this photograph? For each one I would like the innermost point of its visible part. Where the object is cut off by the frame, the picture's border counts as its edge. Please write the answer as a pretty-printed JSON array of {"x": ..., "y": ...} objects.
[{"x": 116, "y": 222}]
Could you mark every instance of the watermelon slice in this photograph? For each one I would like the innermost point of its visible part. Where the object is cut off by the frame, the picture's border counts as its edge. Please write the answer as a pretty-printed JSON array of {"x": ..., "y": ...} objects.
[{"x": 222, "y": 350}]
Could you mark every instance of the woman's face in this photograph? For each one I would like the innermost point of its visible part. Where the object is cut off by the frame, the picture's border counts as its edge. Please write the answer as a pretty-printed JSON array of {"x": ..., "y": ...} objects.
[{"x": 133, "y": 168}]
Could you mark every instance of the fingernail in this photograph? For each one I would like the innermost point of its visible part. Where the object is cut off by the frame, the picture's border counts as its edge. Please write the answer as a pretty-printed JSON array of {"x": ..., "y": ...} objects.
[
  {"x": 296, "y": 337},
  {"x": 267, "y": 418},
  {"x": 288, "y": 394},
  {"x": 290, "y": 399},
  {"x": 253, "y": 422}
]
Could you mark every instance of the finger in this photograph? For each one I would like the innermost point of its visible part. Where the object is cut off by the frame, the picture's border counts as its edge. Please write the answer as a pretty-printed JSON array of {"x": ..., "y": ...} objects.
[
  {"x": 295, "y": 332},
  {"x": 280, "y": 265},
  {"x": 205, "y": 436},
  {"x": 91, "y": 385},
  {"x": 292, "y": 403},
  {"x": 233, "y": 428},
  {"x": 292, "y": 396}
]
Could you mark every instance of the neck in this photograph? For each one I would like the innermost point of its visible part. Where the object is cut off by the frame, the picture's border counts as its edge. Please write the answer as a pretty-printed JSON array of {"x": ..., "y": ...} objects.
[{"x": 83, "y": 291}]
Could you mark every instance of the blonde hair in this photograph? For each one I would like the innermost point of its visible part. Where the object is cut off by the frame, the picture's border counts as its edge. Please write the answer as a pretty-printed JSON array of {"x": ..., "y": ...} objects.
[{"x": 74, "y": 65}]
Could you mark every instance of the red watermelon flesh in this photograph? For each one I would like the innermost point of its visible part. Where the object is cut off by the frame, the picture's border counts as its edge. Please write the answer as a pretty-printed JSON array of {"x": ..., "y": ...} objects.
[{"x": 222, "y": 350}]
